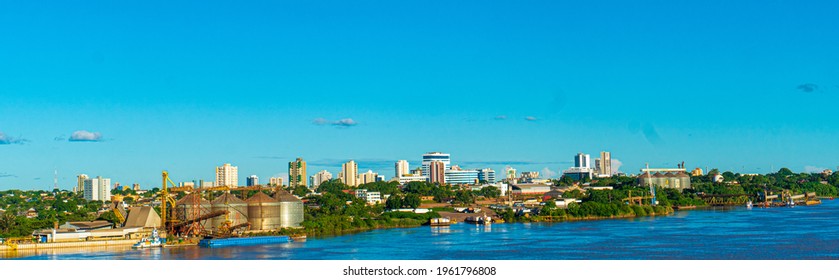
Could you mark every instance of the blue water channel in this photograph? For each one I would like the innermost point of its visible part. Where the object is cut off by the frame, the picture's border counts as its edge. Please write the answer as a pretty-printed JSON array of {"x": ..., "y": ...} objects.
[{"x": 735, "y": 233}]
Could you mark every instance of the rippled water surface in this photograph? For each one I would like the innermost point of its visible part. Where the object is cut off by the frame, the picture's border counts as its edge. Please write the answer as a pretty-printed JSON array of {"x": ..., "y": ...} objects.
[{"x": 773, "y": 233}]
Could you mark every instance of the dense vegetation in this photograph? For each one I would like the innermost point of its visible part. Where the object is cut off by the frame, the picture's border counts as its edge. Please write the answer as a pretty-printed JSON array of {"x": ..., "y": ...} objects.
[
  {"x": 337, "y": 212},
  {"x": 58, "y": 207}
]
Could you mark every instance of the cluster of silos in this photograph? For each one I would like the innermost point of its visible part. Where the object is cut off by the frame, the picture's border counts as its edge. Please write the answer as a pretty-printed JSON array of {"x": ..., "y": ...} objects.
[
  {"x": 237, "y": 211},
  {"x": 191, "y": 207},
  {"x": 263, "y": 212}
]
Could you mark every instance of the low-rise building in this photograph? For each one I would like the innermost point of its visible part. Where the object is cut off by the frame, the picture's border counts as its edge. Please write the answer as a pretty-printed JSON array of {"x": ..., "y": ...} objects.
[
  {"x": 143, "y": 217},
  {"x": 458, "y": 176},
  {"x": 531, "y": 189},
  {"x": 31, "y": 213},
  {"x": 563, "y": 203},
  {"x": 371, "y": 198},
  {"x": 86, "y": 226},
  {"x": 407, "y": 178}
]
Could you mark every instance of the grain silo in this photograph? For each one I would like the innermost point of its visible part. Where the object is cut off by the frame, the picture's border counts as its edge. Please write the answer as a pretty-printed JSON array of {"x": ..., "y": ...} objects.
[
  {"x": 291, "y": 209},
  {"x": 193, "y": 206},
  {"x": 237, "y": 211},
  {"x": 263, "y": 212}
]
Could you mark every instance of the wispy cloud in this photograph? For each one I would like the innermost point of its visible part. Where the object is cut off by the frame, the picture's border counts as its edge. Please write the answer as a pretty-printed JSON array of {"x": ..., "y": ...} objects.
[
  {"x": 531, "y": 119},
  {"x": 651, "y": 134},
  {"x": 271, "y": 157},
  {"x": 320, "y": 121},
  {"x": 808, "y": 87},
  {"x": 7, "y": 175},
  {"x": 339, "y": 123},
  {"x": 85, "y": 136},
  {"x": 8, "y": 140},
  {"x": 500, "y": 117},
  {"x": 362, "y": 163},
  {"x": 512, "y": 162},
  {"x": 813, "y": 169}
]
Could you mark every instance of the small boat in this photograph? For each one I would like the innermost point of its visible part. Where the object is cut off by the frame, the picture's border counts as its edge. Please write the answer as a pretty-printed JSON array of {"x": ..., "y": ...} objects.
[
  {"x": 299, "y": 238},
  {"x": 749, "y": 205},
  {"x": 150, "y": 242},
  {"x": 440, "y": 222},
  {"x": 479, "y": 220}
]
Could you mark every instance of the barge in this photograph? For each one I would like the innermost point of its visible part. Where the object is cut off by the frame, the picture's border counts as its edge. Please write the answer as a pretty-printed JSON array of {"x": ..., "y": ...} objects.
[{"x": 243, "y": 241}]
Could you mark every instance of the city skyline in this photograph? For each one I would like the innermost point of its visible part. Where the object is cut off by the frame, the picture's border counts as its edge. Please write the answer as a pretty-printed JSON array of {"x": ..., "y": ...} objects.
[{"x": 125, "y": 91}]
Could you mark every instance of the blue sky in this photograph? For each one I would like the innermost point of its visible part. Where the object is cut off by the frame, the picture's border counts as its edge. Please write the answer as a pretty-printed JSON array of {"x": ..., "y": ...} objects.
[{"x": 744, "y": 86}]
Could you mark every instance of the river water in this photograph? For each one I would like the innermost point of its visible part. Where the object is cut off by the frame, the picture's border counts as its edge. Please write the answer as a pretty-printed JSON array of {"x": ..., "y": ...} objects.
[{"x": 737, "y": 233}]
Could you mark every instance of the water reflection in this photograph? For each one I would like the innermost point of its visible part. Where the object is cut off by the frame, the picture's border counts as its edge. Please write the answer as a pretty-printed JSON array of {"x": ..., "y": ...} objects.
[
  {"x": 776, "y": 233},
  {"x": 441, "y": 230}
]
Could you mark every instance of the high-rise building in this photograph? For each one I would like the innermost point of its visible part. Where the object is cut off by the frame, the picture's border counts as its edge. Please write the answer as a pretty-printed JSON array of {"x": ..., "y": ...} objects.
[
  {"x": 402, "y": 168},
  {"x": 136, "y": 187},
  {"x": 275, "y": 181},
  {"x": 367, "y": 177},
  {"x": 297, "y": 173},
  {"x": 227, "y": 175},
  {"x": 446, "y": 159},
  {"x": 486, "y": 175},
  {"x": 597, "y": 166},
  {"x": 605, "y": 165},
  {"x": 80, "y": 183},
  {"x": 437, "y": 172},
  {"x": 97, "y": 189},
  {"x": 582, "y": 168},
  {"x": 582, "y": 161},
  {"x": 252, "y": 181},
  {"x": 349, "y": 173},
  {"x": 320, "y": 178}
]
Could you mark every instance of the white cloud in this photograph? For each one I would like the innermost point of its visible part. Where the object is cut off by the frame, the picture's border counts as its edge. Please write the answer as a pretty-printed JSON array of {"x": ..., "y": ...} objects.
[
  {"x": 345, "y": 123},
  {"x": 6, "y": 140},
  {"x": 85, "y": 136},
  {"x": 547, "y": 173},
  {"x": 616, "y": 166}
]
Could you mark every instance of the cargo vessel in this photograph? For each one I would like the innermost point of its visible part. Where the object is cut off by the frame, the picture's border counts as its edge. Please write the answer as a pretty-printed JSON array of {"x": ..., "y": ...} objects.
[{"x": 243, "y": 241}]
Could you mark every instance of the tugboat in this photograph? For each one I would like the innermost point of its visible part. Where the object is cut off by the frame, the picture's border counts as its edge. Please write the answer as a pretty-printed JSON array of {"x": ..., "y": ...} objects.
[{"x": 150, "y": 242}]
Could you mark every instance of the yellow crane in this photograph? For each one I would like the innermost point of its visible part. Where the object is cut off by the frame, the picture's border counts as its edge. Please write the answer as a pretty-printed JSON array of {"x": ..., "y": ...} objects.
[{"x": 164, "y": 200}]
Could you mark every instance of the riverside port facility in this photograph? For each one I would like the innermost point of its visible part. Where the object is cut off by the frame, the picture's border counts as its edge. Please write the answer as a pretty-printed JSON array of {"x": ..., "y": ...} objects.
[{"x": 195, "y": 215}]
